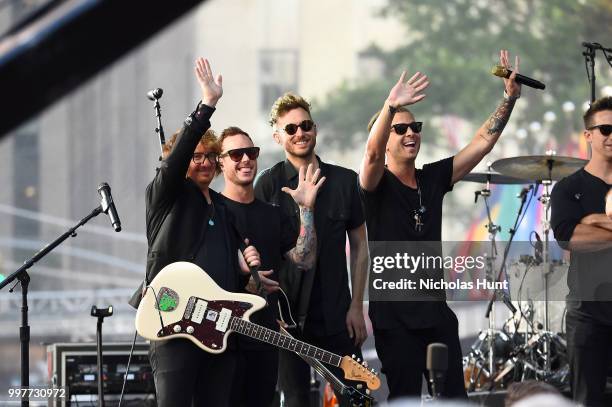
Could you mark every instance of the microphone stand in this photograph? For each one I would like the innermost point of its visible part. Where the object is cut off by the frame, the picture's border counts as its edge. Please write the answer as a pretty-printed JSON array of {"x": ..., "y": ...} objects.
[
  {"x": 159, "y": 129},
  {"x": 23, "y": 278}
]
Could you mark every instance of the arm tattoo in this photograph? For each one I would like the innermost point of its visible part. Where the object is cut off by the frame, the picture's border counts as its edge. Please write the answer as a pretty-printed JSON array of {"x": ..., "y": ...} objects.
[
  {"x": 304, "y": 252},
  {"x": 497, "y": 121}
]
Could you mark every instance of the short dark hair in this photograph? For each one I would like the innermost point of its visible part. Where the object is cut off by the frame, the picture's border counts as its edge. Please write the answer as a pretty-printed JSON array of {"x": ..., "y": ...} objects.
[
  {"x": 373, "y": 119},
  {"x": 598, "y": 105},
  {"x": 519, "y": 390},
  {"x": 232, "y": 131}
]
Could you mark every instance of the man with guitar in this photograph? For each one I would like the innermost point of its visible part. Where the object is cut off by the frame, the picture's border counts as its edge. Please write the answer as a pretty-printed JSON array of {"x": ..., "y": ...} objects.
[
  {"x": 187, "y": 221},
  {"x": 264, "y": 226}
]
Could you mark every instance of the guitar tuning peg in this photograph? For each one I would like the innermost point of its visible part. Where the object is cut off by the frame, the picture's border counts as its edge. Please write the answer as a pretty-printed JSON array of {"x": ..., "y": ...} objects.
[
  {"x": 365, "y": 363},
  {"x": 367, "y": 391},
  {"x": 358, "y": 360},
  {"x": 359, "y": 386},
  {"x": 353, "y": 356},
  {"x": 373, "y": 371}
]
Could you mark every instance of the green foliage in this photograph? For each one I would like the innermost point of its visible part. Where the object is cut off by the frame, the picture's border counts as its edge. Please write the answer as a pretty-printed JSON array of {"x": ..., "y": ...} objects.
[{"x": 456, "y": 42}]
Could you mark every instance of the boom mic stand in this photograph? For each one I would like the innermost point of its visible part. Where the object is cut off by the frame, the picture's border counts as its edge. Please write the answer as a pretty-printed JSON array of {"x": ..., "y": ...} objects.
[
  {"x": 155, "y": 95},
  {"x": 23, "y": 278}
]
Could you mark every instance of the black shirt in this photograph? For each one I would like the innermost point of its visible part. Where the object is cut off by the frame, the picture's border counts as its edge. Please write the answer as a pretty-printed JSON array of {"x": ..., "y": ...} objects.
[
  {"x": 212, "y": 256},
  {"x": 323, "y": 297},
  {"x": 590, "y": 273},
  {"x": 263, "y": 225},
  {"x": 390, "y": 217}
]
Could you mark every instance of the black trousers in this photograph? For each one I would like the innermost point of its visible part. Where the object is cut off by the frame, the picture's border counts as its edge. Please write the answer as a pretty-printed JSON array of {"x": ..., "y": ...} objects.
[
  {"x": 185, "y": 375},
  {"x": 588, "y": 348},
  {"x": 294, "y": 373},
  {"x": 255, "y": 378},
  {"x": 403, "y": 354}
]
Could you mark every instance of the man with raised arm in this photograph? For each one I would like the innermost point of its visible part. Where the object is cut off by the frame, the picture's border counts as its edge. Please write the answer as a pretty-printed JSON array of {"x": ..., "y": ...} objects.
[
  {"x": 188, "y": 221},
  {"x": 404, "y": 204},
  {"x": 329, "y": 316}
]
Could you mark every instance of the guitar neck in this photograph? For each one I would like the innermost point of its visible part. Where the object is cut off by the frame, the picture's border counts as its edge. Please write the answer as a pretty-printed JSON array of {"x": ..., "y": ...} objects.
[{"x": 277, "y": 339}]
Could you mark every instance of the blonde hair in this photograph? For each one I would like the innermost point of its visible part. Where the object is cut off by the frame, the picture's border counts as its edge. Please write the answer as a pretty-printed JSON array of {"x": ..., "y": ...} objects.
[{"x": 286, "y": 103}]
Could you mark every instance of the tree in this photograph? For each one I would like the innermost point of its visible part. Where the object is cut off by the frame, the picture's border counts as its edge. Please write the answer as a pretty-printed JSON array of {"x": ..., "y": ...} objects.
[{"x": 456, "y": 42}]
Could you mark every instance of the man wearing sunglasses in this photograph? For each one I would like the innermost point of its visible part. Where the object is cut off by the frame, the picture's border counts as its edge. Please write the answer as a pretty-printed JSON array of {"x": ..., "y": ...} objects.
[
  {"x": 320, "y": 296},
  {"x": 187, "y": 221},
  {"x": 266, "y": 228},
  {"x": 404, "y": 204},
  {"x": 580, "y": 225}
]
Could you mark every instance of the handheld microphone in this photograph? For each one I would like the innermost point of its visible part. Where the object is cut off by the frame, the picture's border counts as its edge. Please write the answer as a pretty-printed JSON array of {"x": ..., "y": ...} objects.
[
  {"x": 108, "y": 206},
  {"x": 502, "y": 72},
  {"x": 155, "y": 94},
  {"x": 437, "y": 364}
]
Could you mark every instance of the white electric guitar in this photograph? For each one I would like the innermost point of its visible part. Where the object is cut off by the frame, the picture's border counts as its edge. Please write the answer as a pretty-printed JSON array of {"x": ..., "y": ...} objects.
[{"x": 183, "y": 301}]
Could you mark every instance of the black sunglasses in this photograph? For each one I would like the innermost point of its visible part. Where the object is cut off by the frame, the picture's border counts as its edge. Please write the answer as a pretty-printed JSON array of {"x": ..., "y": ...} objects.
[
  {"x": 291, "y": 128},
  {"x": 605, "y": 129},
  {"x": 198, "y": 158},
  {"x": 237, "y": 153},
  {"x": 400, "y": 128}
]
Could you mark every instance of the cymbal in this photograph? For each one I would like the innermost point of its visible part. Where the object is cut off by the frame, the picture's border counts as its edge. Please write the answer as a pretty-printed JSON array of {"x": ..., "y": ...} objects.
[
  {"x": 493, "y": 178},
  {"x": 539, "y": 167}
]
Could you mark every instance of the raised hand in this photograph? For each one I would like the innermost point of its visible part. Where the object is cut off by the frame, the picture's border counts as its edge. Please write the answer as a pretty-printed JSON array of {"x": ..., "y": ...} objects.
[
  {"x": 513, "y": 88},
  {"x": 306, "y": 192},
  {"x": 211, "y": 87},
  {"x": 409, "y": 92}
]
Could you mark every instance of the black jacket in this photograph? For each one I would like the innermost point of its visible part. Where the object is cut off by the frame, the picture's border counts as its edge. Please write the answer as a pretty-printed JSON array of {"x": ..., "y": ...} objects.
[{"x": 177, "y": 213}]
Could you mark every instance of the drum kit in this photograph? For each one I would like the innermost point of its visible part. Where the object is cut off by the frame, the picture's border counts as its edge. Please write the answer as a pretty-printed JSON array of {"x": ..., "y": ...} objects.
[{"x": 526, "y": 347}]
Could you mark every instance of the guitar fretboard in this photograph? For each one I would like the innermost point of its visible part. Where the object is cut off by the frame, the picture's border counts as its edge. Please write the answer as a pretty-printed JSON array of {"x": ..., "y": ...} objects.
[{"x": 282, "y": 341}]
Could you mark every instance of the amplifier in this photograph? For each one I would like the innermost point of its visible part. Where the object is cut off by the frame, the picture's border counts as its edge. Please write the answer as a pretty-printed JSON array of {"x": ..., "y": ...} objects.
[{"x": 74, "y": 365}]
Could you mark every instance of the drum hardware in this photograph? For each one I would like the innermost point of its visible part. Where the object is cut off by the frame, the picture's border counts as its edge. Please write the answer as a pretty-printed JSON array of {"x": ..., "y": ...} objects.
[
  {"x": 538, "y": 353},
  {"x": 542, "y": 169}
]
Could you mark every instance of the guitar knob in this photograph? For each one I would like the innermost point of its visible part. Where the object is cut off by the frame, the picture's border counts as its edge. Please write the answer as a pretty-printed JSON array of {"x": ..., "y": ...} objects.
[
  {"x": 365, "y": 363},
  {"x": 358, "y": 360},
  {"x": 190, "y": 329},
  {"x": 177, "y": 328},
  {"x": 353, "y": 356}
]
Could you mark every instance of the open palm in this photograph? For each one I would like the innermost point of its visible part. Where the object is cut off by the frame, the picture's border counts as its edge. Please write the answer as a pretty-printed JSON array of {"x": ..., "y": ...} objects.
[
  {"x": 211, "y": 87},
  {"x": 409, "y": 92}
]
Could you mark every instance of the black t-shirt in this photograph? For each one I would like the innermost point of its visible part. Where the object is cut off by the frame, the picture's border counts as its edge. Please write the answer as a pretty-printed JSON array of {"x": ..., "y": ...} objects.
[
  {"x": 390, "y": 217},
  {"x": 213, "y": 255},
  {"x": 590, "y": 273},
  {"x": 265, "y": 228},
  {"x": 337, "y": 210}
]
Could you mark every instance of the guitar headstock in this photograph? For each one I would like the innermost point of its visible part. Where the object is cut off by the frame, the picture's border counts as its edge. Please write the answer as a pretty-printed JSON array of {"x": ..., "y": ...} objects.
[{"x": 353, "y": 370}]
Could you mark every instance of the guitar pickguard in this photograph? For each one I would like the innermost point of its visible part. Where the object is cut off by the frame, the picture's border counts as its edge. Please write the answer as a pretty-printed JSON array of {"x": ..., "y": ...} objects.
[{"x": 207, "y": 321}]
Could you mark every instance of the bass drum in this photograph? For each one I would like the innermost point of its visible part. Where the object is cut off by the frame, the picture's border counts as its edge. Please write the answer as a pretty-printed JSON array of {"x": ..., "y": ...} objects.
[{"x": 476, "y": 374}]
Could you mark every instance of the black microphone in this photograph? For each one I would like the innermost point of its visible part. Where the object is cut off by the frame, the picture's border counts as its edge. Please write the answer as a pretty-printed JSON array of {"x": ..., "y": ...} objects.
[
  {"x": 437, "y": 364},
  {"x": 524, "y": 192},
  {"x": 155, "y": 94},
  {"x": 502, "y": 72},
  {"x": 108, "y": 206}
]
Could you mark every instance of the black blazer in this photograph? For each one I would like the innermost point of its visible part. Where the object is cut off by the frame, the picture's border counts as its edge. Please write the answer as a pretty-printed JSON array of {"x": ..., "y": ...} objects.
[{"x": 177, "y": 213}]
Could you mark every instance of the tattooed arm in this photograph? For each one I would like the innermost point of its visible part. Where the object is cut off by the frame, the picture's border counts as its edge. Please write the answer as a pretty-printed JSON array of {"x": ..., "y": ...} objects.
[
  {"x": 304, "y": 253},
  {"x": 488, "y": 134}
]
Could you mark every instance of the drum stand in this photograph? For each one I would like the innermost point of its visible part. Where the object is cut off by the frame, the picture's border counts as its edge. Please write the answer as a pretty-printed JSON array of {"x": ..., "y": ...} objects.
[{"x": 490, "y": 275}]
